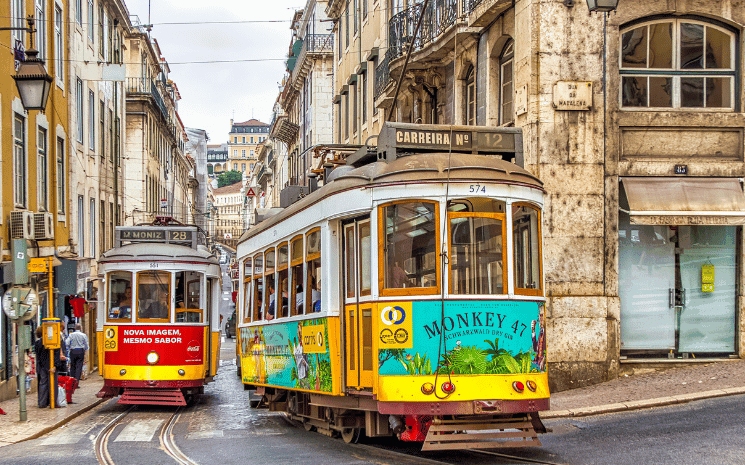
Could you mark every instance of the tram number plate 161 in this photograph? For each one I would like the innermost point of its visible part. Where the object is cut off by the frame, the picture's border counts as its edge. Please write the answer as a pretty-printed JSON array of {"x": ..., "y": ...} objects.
[{"x": 477, "y": 189}]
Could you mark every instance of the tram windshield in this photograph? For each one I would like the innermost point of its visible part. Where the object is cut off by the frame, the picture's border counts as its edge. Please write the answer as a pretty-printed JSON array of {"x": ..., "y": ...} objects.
[
  {"x": 410, "y": 243},
  {"x": 188, "y": 292},
  {"x": 526, "y": 242},
  {"x": 119, "y": 296},
  {"x": 153, "y": 296}
]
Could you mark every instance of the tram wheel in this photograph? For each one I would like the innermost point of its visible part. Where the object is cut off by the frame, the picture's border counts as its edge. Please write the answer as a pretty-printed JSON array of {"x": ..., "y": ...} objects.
[
  {"x": 254, "y": 403},
  {"x": 351, "y": 435},
  {"x": 308, "y": 426}
]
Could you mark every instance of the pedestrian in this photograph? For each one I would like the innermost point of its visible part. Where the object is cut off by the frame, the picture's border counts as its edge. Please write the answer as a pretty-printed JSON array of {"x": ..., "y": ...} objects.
[
  {"x": 77, "y": 341},
  {"x": 42, "y": 368}
]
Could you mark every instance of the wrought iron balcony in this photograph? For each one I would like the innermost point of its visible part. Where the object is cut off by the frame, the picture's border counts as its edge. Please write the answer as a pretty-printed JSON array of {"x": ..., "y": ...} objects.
[{"x": 438, "y": 17}]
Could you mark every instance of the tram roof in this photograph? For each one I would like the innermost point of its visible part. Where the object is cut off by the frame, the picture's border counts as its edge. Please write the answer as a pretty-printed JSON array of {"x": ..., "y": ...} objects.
[
  {"x": 158, "y": 252},
  {"x": 425, "y": 167}
]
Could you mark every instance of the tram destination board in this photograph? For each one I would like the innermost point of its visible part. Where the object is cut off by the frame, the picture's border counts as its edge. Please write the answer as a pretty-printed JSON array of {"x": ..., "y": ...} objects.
[
  {"x": 184, "y": 236},
  {"x": 397, "y": 139}
]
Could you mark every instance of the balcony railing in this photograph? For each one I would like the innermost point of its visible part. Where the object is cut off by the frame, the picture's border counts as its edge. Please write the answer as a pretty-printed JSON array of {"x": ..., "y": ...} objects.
[{"x": 147, "y": 87}]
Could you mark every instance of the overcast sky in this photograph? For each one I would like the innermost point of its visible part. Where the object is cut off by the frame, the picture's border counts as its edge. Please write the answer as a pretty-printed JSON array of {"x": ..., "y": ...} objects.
[{"x": 212, "y": 94}]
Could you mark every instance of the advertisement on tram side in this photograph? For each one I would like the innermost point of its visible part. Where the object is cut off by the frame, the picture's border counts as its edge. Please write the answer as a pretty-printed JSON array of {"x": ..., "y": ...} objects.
[
  {"x": 293, "y": 354},
  {"x": 468, "y": 337}
]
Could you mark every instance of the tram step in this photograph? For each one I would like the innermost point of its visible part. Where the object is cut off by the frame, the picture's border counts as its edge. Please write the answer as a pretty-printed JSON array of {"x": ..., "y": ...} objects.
[
  {"x": 152, "y": 397},
  {"x": 469, "y": 433}
]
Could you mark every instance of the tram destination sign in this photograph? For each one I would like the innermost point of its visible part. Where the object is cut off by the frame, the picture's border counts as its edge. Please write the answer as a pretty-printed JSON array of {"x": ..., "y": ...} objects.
[{"x": 155, "y": 234}]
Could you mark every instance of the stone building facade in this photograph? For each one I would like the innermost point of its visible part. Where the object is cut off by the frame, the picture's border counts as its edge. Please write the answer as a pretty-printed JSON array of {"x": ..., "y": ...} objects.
[{"x": 634, "y": 123}]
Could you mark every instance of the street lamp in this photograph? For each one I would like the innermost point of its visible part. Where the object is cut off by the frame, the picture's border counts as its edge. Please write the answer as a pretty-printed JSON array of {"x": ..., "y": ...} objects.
[
  {"x": 32, "y": 79},
  {"x": 604, "y": 6},
  {"x": 33, "y": 82}
]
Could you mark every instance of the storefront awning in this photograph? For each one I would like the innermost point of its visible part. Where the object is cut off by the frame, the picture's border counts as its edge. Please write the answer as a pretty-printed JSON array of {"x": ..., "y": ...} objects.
[{"x": 683, "y": 201}]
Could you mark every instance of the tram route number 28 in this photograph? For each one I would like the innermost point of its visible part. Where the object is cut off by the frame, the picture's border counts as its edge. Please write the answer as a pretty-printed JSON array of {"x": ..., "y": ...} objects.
[
  {"x": 476, "y": 189},
  {"x": 110, "y": 339}
]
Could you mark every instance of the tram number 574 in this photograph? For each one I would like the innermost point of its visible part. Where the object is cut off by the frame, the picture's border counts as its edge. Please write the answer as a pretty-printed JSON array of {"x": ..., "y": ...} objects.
[{"x": 476, "y": 189}]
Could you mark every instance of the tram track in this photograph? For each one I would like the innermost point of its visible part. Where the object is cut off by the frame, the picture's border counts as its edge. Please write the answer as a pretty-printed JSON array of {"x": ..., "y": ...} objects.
[{"x": 165, "y": 438}]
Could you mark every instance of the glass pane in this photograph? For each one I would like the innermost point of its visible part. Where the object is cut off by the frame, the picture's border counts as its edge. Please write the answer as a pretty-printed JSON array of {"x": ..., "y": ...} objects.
[
  {"x": 247, "y": 301},
  {"x": 365, "y": 253},
  {"x": 247, "y": 267},
  {"x": 269, "y": 261},
  {"x": 691, "y": 92},
  {"x": 646, "y": 259},
  {"x": 367, "y": 345},
  {"x": 297, "y": 249},
  {"x": 258, "y": 264},
  {"x": 691, "y": 46},
  {"x": 188, "y": 290},
  {"x": 283, "y": 292},
  {"x": 634, "y": 48},
  {"x": 352, "y": 328},
  {"x": 718, "y": 91},
  {"x": 120, "y": 295},
  {"x": 526, "y": 243},
  {"x": 282, "y": 255},
  {"x": 634, "y": 91},
  {"x": 476, "y": 255},
  {"x": 661, "y": 46},
  {"x": 297, "y": 298},
  {"x": 258, "y": 298},
  {"x": 349, "y": 271},
  {"x": 409, "y": 247},
  {"x": 271, "y": 302},
  {"x": 718, "y": 45},
  {"x": 313, "y": 293},
  {"x": 314, "y": 242},
  {"x": 153, "y": 295},
  {"x": 660, "y": 91}
]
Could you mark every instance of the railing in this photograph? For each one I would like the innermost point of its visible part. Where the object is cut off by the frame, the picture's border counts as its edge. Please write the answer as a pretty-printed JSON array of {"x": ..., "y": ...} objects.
[
  {"x": 382, "y": 74},
  {"x": 438, "y": 17},
  {"x": 145, "y": 86},
  {"x": 315, "y": 43}
]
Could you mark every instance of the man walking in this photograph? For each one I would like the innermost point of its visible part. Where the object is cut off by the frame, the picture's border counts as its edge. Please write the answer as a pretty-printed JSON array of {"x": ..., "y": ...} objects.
[{"x": 77, "y": 341}]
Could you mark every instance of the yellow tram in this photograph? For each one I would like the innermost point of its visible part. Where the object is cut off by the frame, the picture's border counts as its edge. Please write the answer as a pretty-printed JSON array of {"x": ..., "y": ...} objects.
[
  {"x": 158, "y": 328},
  {"x": 405, "y": 296}
]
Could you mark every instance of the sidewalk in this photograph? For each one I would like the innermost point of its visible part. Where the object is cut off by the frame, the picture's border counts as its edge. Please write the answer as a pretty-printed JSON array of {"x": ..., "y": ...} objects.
[
  {"x": 650, "y": 388},
  {"x": 42, "y": 421}
]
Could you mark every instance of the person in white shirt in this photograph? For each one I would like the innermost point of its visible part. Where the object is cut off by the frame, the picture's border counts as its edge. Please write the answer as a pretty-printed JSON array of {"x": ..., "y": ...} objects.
[{"x": 77, "y": 342}]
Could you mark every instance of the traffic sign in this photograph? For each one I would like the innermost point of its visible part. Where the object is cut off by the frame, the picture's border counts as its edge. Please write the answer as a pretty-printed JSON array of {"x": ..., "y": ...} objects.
[{"x": 251, "y": 192}]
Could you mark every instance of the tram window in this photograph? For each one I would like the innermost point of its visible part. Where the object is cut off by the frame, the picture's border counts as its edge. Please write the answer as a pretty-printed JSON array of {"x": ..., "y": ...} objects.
[
  {"x": 526, "y": 237},
  {"x": 313, "y": 266},
  {"x": 349, "y": 273},
  {"x": 283, "y": 279},
  {"x": 258, "y": 287},
  {"x": 247, "y": 271},
  {"x": 476, "y": 253},
  {"x": 153, "y": 295},
  {"x": 477, "y": 205},
  {"x": 188, "y": 290},
  {"x": 270, "y": 305},
  {"x": 296, "y": 267},
  {"x": 120, "y": 296},
  {"x": 365, "y": 254},
  {"x": 409, "y": 245}
]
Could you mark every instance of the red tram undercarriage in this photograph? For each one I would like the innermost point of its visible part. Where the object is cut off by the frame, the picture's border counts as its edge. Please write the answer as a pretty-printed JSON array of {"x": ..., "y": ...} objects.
[
  {"x": 438, "y": 425},
  {"x": 155, "y": 392}
]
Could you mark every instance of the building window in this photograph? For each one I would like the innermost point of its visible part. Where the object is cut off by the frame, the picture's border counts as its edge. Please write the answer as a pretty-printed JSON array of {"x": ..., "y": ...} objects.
[
  {"x": 61, "y": 194},
  {"x": 677, "y": 63},
  {"x": 363, "y": 94},
  {"x": 244, "y": 139},
  {"x": 235, "y": 153},
  {"x": 243, "y": 153},
  {"x": 59, "y": 45},
  {"x": 81, "y": 225},
  {"x": 470, "y": 96},
  {"x": 79, "y": 11},
  {"x": 19, "y": 160},
  {"x": 42, "y": 169},
  {"x": 18, "y": 19},
  {"x": 91, "y": 120},
  {"x": 90, "y": 19},
  {"x": 102, "y": 234},
  {"x": 101, "y": 38},
  {"x": 506, "y": 113},
  {"x": 41, "y": 31},
  {"x": 102, "y": 132},
  {"x": 93, "y": 228},
  {"x": 235, "y": 166}
]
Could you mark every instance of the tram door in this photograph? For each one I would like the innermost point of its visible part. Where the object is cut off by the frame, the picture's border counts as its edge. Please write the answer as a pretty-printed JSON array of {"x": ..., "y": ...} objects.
[{"x": 358, "y": 307}]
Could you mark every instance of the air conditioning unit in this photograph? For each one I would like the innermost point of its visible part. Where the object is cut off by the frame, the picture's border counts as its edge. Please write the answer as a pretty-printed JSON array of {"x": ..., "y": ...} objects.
[
  {"x": 21, "y": 224},
  {"x": 43, "y": 226}
]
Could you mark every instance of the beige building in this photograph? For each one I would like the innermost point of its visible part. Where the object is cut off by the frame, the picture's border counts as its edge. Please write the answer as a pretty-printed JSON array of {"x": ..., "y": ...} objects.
[
  {"x": 157, "y": 178},
  {"x": 229, "y": 204},
  {"x": 242, "y": 144},
  {"x": 634, "y": 123}
]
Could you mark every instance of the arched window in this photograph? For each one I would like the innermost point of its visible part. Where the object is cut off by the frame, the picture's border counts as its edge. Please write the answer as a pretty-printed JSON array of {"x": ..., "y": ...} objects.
[
  {"x": 470, "y": 96},
  {"x": 677, "y": 63},
  {"x": 506, "y": 91}
]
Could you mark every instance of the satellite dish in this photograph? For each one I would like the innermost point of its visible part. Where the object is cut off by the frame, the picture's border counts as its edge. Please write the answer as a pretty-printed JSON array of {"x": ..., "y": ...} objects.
[{"x": 27, "y": 303}]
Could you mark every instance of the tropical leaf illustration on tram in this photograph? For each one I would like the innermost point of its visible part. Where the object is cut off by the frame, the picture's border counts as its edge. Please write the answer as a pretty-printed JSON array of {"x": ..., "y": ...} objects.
[
  {"x": 494, "y": 349},
  {"x": 387, "y": 354},
  {"x": 416, "y": 364}
]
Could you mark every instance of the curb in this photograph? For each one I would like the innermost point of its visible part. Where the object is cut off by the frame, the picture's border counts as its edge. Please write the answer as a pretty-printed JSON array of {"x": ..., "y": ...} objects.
[
  {"x": 67, "y": 419},
  {"x": 641, "y": 404}
]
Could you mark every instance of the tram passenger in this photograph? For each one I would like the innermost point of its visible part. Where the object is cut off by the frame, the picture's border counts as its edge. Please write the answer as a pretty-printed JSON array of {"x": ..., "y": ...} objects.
[
  {"x": 158, "y": 306},
  {"x": 315, "y": 294},
  {"x": 125, "y": 305},
  {"x": 272, "y": 298},
  {"x": 299, "y": 299},
  {"x": 284, "y": 297}
]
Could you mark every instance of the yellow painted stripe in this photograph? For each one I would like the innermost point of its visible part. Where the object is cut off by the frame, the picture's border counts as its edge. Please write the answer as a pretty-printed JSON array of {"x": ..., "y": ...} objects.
[
  {"x": 148, "y": 373},
  {"x": 409, "y": 388}
]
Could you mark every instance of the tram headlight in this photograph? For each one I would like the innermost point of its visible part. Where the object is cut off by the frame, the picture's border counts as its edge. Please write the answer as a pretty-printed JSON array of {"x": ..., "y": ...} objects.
[
  {"x": 518, "y": 386},
  {"x": 181, "y": 372},
  {"x": 152, "y": 358},
  {"x": 122, "y": 372},
  {"x": 531, "y": 385}
]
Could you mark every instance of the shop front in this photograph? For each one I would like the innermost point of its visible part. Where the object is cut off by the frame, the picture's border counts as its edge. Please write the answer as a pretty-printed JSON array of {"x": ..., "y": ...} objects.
[{"x": 679, "y": 243}]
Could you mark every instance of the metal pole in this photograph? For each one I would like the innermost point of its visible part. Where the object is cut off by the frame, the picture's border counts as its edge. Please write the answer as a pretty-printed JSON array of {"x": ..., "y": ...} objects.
[{"x": 50, "y": 314}]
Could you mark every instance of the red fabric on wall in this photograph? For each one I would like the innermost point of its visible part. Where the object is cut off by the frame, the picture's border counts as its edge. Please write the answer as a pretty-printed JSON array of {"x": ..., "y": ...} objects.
[{"x": 78, "y": 306}]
